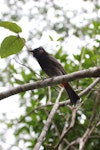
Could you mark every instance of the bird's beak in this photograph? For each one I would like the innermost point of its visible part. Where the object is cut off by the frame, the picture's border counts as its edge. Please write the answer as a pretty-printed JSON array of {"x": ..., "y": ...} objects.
[{"x": 31, "y": 51}]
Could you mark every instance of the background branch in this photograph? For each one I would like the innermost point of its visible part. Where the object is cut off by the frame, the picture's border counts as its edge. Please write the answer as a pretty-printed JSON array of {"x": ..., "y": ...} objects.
[
  {"x": 48, "y": 122},
  {"x": 91, "y": 126},
  {"x": 70, "y": 127},
  {"x": 64, "y": 103}
]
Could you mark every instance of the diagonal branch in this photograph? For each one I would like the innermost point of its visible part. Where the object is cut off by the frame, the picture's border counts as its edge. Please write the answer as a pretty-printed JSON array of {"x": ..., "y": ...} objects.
[
  {"x": 94, "y": 72},
  {"x": 91, "y": 126},
  {"x": 97, "y": 80},
  {"x": 64, "y": 103},
  {"x": 48, "y": 122}
]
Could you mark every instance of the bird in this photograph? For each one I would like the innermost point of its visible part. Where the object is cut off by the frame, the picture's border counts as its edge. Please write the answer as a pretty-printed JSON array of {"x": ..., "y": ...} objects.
[{"x": 53, "y": 68}]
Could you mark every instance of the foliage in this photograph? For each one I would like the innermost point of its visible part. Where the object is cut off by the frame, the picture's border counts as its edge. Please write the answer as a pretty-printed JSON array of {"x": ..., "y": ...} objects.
[
  {"x": 11, "y": 26},
  {"x": 29, "y": 125},
  {"x": 11, "y": 44}
]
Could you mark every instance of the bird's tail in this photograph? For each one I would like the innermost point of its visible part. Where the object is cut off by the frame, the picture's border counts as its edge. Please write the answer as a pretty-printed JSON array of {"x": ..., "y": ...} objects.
[{"x": 74, "y": 98}]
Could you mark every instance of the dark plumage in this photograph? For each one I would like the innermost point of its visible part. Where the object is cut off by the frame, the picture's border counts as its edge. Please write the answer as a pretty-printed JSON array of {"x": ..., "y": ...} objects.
[{"x": 52, "y": 68}]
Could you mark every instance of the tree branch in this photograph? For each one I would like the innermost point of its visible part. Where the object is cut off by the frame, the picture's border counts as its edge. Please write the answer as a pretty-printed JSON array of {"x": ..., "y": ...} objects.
[
  {"x": 48, "y": 122},
  {"x": 70, "y": 127},
  {"x": 82, "y": 140},
  {"x": 90, "y": 87},
  {"x": 91, "y": 125},
  {"x": 63, "y": 103},
  {"x": 94, "y": 72}
]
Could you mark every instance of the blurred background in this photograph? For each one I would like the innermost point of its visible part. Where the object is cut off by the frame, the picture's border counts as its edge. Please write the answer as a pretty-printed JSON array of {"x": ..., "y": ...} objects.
[{"x": 69, "y": 30}]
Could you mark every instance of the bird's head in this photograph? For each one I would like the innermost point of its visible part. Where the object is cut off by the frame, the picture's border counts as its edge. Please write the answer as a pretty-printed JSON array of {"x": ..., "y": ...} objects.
[{"x": 38, "y": 52}]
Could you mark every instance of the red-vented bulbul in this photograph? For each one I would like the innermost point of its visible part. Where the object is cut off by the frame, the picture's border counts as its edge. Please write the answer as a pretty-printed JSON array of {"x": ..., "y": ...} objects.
[{"x": 52, "y": 68}]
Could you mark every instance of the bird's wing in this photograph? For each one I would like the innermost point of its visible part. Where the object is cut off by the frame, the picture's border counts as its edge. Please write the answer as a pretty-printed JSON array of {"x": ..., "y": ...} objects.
[{"x": 57, "y": 64}]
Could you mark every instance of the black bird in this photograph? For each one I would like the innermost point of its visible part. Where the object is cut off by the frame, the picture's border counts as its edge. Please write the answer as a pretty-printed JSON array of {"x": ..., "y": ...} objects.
[{"x": 52, "y": 68}]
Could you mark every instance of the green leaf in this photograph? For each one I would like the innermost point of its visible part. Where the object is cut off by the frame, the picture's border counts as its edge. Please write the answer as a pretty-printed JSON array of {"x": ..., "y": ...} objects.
[
  {"x": 59, "y": 53},
  {"x": 11, "y": 26},
  {"x": 60, "y": 39},
  {"x": 51, "y": 38},
  {"x": 96, "y": 24},
  {"x": 11, "y": 45}
]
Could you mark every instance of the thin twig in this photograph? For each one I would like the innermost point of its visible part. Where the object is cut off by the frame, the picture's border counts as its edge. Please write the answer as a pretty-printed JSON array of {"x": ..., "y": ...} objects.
[
  {"x": 23, "y": 64},
  {"x": 81, "y": 141},
  {"x": 49, "y": 95},
  {"x": 70, "y": 127},
  {"x": 91, "y": 125},
  {"x": 97, "y": 80}
]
